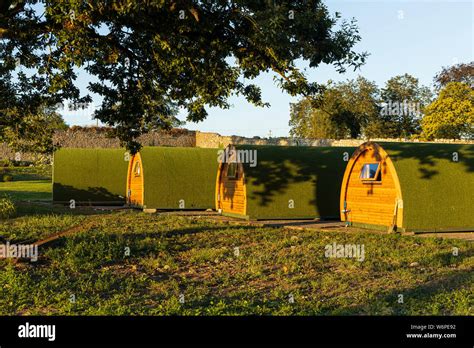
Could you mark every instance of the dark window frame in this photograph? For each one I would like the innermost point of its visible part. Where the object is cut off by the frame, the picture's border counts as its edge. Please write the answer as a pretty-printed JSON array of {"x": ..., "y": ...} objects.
[
  {"x": 377, "y": 176},
  {"x": 235, "y": 175}
]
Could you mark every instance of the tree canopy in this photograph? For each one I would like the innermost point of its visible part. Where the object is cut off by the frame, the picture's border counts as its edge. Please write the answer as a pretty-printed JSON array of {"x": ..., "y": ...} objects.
[
  {"x": 451, "y": 115},
  {"x": 151, "y": 57},
  {"x": 462, "y": 72},
  {"x": 403, "y": 101},
  {"x": 358, "y": 107}
]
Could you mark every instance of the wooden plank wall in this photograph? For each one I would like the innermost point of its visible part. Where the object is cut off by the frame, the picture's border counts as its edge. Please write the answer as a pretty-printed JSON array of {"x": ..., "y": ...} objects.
[
  {"x": 135, "y": 183},
  {"x": 231, "y": 192},
  {"x": 371, "y": 203}
]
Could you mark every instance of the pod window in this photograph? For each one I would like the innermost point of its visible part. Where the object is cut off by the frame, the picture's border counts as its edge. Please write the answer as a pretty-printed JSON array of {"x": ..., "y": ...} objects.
[
  {"x": 137, "y": 170},
  {"x": 371, "y": 172},
  {"x": 232, "y": 170}
]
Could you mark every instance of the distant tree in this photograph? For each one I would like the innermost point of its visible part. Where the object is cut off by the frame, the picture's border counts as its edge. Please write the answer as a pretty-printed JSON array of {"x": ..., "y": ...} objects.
[
  {"x": 358, "y": 107},
  {"x": 306, "y": 121},
  {"x": 32, "y": 132},
  {"x": 451, "y": 115},
  {"x": 462, "y": 72},
  {"x": 403, "y": 100},
  {"x": 345, "y": 109}
]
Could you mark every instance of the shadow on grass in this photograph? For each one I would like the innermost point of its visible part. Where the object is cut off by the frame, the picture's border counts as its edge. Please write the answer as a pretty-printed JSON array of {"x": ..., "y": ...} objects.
[
  {"x": 36, "y": 208},
  {"x": 421, "y": 293},
  {"x": 91, "y": 195},
  {"x": 19, "y": 196},
  {"x": 168, "y": 234}
]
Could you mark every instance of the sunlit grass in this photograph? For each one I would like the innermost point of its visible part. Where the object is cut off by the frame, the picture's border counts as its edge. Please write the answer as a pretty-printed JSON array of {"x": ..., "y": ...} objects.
[{"x": 136, "y": 263}]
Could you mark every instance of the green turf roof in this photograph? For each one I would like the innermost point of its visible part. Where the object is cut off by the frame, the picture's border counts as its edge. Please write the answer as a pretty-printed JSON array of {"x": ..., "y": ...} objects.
[
  {"x": 437, "y": 192},
  {"x": 87, "y": 175},
  {"x": 172, "y": 174},
  {"x": 309, "y": 176}
]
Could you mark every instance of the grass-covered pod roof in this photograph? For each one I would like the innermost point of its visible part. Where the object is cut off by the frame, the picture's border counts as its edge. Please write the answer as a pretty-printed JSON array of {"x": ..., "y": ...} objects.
[
  {"x": 437, "y": 184},
  {"x": 90, "y": 175},
  {"x": 172, "y": 174},
  {"x": 310, "y": 177}
]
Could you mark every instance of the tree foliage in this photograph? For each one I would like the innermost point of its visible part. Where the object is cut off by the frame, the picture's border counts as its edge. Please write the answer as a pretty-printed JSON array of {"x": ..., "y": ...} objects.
[
  {"x": 151, "y": 57},
  {"x": 307, "y": 121},
  {"x": 358, "y": 107},
  {"x": 34, "y": 132},
  {"x": 462, "y": 72},
  {"x": 344, "y": 110},
  {"x": 451, "y": 115},
  {"x": 403, "y": 100}
]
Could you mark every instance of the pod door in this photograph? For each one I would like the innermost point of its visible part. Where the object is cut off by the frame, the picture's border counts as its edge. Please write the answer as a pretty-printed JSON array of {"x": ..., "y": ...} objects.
[
  {"x": 370, "y": 191},
  {"x": 231, "y": 195},
  {"x": 135, "y": 190}
]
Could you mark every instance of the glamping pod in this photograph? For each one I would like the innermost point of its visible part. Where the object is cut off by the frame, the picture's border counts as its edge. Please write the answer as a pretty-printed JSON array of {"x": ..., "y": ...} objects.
[
  {"x": 281, "y": 182},
  {"x": 89, "y": 176},
  {"x": 172, "y": 178},
  {"x": 410, "y": 187}
]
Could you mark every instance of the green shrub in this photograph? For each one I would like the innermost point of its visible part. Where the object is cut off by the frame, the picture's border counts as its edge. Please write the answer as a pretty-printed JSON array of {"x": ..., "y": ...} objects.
[
  {"x": 7, "y": 208},
  {"x": 5, "y": 163},
  {"x": 7, "y": 177}
]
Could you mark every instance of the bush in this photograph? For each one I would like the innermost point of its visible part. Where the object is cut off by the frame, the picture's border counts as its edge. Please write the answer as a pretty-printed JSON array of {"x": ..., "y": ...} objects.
[
  {"x": 4, "y": 172},
  {"x": 7, "y": 208},
  {"x": 5, "y": 163},
  {"x": 7, "y": 177}
]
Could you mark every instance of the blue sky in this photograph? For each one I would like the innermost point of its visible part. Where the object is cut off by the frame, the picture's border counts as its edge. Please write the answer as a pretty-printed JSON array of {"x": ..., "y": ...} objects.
[{"x": 415, "y": 37}]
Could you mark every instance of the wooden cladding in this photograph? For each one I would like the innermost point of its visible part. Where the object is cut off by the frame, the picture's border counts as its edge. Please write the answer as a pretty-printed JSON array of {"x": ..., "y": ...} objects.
[
  {"x": 371, "y": 198},
  {"x": 231, "y": 190},
  {"x": 135, "y": 181}
]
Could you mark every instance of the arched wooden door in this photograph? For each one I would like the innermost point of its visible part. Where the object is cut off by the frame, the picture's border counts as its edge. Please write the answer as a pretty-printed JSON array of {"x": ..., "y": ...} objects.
[
  {"x": 370, "y": 192},
  {"x": 231, "y": 192},
  {"x": 135, "y": 190}
]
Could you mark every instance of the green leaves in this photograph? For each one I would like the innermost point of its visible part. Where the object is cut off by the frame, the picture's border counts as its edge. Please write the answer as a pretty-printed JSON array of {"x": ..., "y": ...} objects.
[
  {"x": 146, "y": 56},
  {"x": 451, "y": 115},
  {"x": 401, "y": 90},
  {"x": 360, "y": 108},
  {"x": 343, "y": 110},
  {"x": 462, "y": 72}
]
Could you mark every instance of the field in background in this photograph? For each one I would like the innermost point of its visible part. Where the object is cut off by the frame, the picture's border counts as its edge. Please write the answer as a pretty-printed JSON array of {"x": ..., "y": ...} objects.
[
  {"x": 29, "y": 184},
  {"x": 128, "y": 262}
]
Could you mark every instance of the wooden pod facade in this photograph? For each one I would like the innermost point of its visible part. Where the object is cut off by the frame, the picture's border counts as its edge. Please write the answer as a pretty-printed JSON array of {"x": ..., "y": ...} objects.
[
  {"x": 409, "y": 187},
  {"x": 172, "y": 178},
  {"x": 90, "y": 176},
  {"x": 282, "y": 182}
]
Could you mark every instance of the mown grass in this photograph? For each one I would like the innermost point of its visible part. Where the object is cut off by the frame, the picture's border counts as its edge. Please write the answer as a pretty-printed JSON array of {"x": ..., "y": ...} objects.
[
  {"x": 29, "y": 183},
  {"x": 189, "y": 266}
]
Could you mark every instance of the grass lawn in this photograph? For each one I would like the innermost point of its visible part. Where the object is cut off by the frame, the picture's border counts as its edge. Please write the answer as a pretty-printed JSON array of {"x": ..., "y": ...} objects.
[
  {"x": 129, "y": 262},
  {"x": 34, "y": 190},
  {"x": 29, "y": 184}
]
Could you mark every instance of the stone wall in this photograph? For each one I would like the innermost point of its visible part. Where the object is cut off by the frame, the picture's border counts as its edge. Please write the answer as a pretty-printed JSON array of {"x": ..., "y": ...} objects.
[
  {"x": 7, "y": 153},
  {"x": 90, "y": 137},
  {"x": 84, "y": 137},
  {"x": 213, "y": 140}
]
